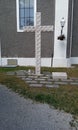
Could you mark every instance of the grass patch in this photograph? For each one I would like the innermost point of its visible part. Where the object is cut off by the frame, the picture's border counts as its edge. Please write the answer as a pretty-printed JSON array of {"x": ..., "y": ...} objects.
[
  {"x": 71, "y": 72},
  {"x": 6, "y": 69},
  {"x": 64, "y": 98}
]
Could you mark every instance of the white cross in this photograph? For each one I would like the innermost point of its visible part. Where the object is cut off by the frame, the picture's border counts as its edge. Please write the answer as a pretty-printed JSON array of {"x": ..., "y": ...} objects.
[{"x": 38, "y": 29}]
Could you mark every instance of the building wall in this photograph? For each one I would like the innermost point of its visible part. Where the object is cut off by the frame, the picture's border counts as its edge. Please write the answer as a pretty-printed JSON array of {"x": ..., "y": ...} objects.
[
  {"x": 72, "y": 46},
  {"x": 75, "y": 30},
  {"x": 69, "y": 36},
  {"x": 14, "y": 44},
  {"x": 48, "y": 18},
  {"x": 60, "y": 46},
  {"x": 47, "y": 7},
  {"x": 22, "y": 44}
]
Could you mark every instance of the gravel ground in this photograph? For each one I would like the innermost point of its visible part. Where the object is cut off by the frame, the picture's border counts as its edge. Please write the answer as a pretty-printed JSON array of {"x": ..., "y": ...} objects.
[{"x": 17, "y": 113}]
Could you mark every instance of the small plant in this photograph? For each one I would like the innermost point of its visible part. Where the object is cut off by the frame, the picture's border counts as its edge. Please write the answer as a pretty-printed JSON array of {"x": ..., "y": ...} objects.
[
  {"x": 74, "y": 123},
  {"x": 61, "y": 37}
]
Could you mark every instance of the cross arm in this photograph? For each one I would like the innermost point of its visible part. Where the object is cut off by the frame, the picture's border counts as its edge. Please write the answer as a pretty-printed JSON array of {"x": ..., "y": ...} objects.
[
  {"x": 29, "y": 29},
  {"x": 47, "y": 28}
]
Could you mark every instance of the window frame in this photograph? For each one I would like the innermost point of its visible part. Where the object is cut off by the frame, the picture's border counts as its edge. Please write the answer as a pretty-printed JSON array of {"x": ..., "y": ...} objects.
[{"x": 17, "y": 16}]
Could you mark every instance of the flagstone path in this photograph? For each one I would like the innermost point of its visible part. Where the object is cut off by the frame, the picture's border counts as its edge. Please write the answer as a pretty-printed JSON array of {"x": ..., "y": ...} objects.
[{"x": 44, "y": 79}]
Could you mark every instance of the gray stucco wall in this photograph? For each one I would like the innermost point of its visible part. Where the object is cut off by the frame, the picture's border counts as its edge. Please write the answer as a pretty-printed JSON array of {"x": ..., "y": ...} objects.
[
  {"x": 75, "y": 30},
  {"x": 47, "y": 44},
  {"x": 69, "y": 30},
  {"x": 47, "y": 9},
  {"x": 13, "y": 43},
  {"x": 72, "y": 45},
  {"x": 16, "y": 44}
]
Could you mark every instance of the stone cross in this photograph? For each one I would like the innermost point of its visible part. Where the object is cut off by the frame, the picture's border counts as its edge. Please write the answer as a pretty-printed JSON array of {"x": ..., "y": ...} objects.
[{"x": 38, "y": 29}]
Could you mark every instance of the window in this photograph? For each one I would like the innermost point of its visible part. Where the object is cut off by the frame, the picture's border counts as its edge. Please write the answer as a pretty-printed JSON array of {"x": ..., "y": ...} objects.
[{"x": 25, "y": 13}]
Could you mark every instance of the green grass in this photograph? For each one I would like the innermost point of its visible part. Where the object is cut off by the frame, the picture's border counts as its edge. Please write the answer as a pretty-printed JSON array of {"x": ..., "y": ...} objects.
[
  {"x": 71, "y": 72},
  {"x": 6, "y": 69},
  {"x": 64, "y": 98}
]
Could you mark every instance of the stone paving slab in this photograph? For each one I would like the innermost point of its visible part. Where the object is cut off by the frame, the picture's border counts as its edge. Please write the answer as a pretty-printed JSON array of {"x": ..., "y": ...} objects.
[
  {"x": 61, "y": 83},
  {"x": 39, "y": 79},
  {"x": 21, "y": 76},
  {"x": 46, "y": 73},
  {"x": 45, "y": 82},
  {"x": 31, "y": 76},
  {"x": 66, "y": 80},
  {"x": 74, "y": 83},
  {"x": 31, "y": 82},
  {"x": 59, "y": 75},
  {"x": 21, "y": 73},
  {"x": 74, "y": 78},
  {"x": 52, "y": 80},
  {"x": 28, "y": 79},
  {"x": 11, "y": 73},
  {"x": 35, "y": 85},
  {"x": 45, "y": 77},
  {"x": 52, "y": 86}
]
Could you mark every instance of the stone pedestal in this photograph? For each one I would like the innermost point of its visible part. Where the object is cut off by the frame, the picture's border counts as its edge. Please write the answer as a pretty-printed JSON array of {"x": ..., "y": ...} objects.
[{"x": 59, "y": 75}]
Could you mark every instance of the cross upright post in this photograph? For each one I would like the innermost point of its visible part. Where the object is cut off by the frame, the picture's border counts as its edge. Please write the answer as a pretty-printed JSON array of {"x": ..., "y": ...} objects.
[
  {"x": 38, "y": 44},
  {"x": 0, "y": 53},
  {"x": 38, "y": 31}
]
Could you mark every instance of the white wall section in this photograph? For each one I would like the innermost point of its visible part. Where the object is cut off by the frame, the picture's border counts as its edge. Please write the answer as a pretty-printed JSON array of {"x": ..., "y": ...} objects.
[
  {"x": 27, "y": 61},
  {"x": 46, "y": 62},
  {"x": 61, "y": 10}
]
